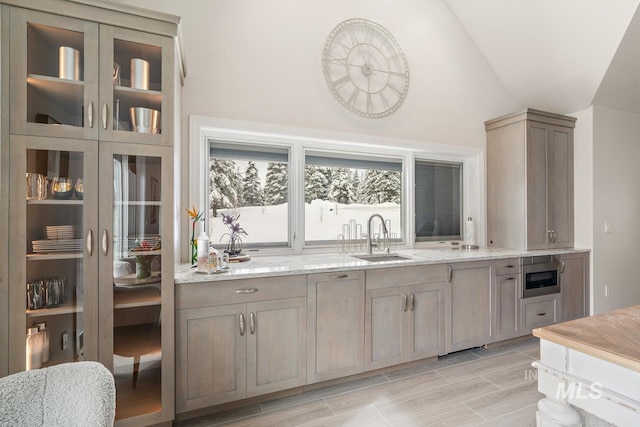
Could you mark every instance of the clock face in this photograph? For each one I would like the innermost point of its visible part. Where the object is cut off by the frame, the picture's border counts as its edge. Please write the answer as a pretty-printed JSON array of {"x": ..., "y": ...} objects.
[{"x": 365, "y": 68}]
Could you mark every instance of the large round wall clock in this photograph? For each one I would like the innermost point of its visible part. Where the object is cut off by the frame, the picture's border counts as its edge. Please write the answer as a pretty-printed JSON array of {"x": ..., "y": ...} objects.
[{"x": 365, "y": 68}]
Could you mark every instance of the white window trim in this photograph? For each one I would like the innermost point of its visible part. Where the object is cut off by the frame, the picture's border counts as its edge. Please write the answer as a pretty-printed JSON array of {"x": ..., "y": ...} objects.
[{"x": 298, "y": 140}]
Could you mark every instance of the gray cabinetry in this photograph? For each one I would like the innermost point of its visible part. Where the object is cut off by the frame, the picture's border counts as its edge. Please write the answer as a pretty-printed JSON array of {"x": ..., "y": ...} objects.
[
  {"x": 238, "y": 339},
  {"x": 574, "y": 280},
  {"x": 530, "y": 181},
  {"x": 470, "y": 305},
  {"x": 404, "y": 318},
  {"x": 335, "y": 326},
  {"x": 540, "y": 311},
  {"x": 508, "y": 287}
]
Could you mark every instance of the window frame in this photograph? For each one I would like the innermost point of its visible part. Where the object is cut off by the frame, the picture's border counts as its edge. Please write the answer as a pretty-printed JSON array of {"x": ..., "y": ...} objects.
[{"x": 297, "y": 141}]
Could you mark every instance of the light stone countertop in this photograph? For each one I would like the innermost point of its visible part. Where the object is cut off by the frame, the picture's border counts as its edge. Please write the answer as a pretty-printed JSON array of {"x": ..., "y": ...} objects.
[
  {"x": 612, "y": 336},
  {"x": 265, "y": 266}
]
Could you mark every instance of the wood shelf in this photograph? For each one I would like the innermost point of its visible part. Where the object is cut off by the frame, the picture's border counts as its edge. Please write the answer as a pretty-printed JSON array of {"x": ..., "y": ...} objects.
[
  {"x": 50, "y": 256},
  {"x": 69, "y": 92},
  {"x": 136, "y": 296},
  {"x": 54, "y": 202},
  {"x": 66, "y": 308}
]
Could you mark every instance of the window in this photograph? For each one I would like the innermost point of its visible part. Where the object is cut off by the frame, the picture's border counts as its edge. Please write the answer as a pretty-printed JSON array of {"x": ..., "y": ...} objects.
[
  {"x": 251, "y": 181},
  {"x": 438, "y": 200},
  {"x": 342, "y": 189}
]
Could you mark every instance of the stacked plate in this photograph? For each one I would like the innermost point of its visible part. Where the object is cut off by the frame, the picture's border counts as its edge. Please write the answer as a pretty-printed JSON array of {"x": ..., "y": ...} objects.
[
  {"x": 62, "y": 232},
  {"x": 60, "y": 245}
]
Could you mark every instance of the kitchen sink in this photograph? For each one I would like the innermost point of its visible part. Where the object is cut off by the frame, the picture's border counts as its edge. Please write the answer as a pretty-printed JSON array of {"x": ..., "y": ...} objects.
[{"x": 381, "y": 257}]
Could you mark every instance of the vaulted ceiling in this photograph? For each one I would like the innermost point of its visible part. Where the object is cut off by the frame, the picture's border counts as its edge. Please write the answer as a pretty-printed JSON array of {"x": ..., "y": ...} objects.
[{"x": 560, "y": 55}]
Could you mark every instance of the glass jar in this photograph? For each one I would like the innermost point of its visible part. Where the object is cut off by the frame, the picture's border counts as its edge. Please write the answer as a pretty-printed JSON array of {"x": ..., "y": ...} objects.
[
  {"x": 34, "y": 349},
  {"x": 44, "y": 335}
]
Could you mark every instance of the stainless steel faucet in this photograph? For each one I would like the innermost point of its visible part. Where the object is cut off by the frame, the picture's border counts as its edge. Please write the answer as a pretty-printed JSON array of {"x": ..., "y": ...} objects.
[{"x": 384, "y": 230}]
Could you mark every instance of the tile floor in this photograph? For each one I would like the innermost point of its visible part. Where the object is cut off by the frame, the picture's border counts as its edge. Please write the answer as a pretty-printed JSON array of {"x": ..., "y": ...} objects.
[{"x": 477, "y": 387}]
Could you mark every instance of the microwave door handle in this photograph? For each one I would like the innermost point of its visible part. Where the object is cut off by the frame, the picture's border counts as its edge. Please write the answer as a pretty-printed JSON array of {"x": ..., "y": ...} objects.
[{"x": 561, "y": 267}]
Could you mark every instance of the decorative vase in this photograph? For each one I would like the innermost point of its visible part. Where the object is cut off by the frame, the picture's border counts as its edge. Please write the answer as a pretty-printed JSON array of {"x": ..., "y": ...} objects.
[
  {"x": 234, "y": 246},
  {"x": 194, "y": 251},
  {"x": 143, "y": 267}
]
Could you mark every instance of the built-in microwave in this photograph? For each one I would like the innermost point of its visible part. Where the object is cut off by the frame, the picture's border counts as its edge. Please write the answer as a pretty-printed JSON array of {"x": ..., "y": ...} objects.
[{"x": 540, "y": 276}]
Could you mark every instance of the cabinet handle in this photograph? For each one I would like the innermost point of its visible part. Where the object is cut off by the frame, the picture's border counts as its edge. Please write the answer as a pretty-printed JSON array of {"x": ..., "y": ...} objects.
[
  {"x": 549, "y": 236},
  {"x": 105, "y": 242},
  {"x": 561, "y": 267},
  {"x": 404, "y": 302},
  {"x": 104, "y": 115},
  {"x": 509, "y": 266},
  {"x": 450, "y": 273},
  {"x": 339, "y": 276},
  {"x": 541, "y": 314},
  {"x": 246, "y": 291},
  {"x": 241, "y": 324},
  {"x": 90, "y": 242},
  {"x": 90, "y": 114},
  {"x": 510, "y": 278},
  {"x": 412, "y": 302},
  {"x": 252, "y": 323}
]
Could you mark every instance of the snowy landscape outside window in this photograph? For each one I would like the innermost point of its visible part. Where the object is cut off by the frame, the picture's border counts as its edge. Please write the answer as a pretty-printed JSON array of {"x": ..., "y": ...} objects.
[
  {"x": 251, "y": 181},
  {"x": 438, "y": 200},
  {"x": 339, "y": 188}
]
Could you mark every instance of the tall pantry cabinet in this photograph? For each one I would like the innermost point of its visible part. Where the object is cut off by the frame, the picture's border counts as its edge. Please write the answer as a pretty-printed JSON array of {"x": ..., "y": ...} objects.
[
  {"x": 530, "y": 181},
  {"x": 88, "y": 255}
]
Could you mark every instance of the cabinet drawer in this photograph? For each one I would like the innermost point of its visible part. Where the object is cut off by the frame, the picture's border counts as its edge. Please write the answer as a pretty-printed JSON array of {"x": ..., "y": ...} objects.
[
  {"x": 508, "y": 266},
  {"x": 401, "y": 276},
  {"x": 538, "y": 314},
  {"x": 204, "y": 294}
]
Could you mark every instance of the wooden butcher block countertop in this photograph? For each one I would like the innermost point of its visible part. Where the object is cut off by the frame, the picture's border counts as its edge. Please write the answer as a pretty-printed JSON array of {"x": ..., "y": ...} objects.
[{"x": 612, "y": 336}]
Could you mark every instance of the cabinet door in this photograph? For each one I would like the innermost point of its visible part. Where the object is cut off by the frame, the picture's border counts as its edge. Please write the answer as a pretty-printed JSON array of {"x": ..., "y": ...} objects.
[
  {"x": 53, "y": 262},
  {"x": 426, "y": 331},
  {"x": 574, "y": 283},
  {"x": 508, "y": 292},
  {"x": 54, "y": 75},
  {"x": 560, "y": 186},
  {"x": 136, "y": 277},
  {"x": 471, "y": 306},
  {"x": 211, "y": 356},
  {"x": 385, "y": 327},
  {"x": 335, "y": 327},
  {"x": 136, "y": 76},
  {"x": 276, "y": 345},
  {"x": 537, "y": 142}
]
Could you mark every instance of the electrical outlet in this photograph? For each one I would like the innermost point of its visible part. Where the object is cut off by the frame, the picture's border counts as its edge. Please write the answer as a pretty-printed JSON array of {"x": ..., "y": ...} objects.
[
  {"x": 607, "y": 227},
  {"x": 65, "y": 340},
  {"x": 607, "y": 291}
]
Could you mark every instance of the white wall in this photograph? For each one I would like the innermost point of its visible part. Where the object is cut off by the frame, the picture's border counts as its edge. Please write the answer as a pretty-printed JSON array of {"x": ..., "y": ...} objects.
[
  {"x": 583, "y": 184},
  {"x": 616, "y": 199},
  {"x": 260, "y": 61}
]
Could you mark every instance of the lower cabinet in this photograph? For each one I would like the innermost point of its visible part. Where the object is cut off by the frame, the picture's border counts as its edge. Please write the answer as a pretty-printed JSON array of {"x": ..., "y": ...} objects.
[
  {"x": 508, "y": 288},
  {"x": 539, "y": 311},
  {"x": 470, "y": 306},
  {"x": 404, "y": 322},
  {"x": 335, "y": 326},
  {"x": 574, "y": 285},
  {"x": 233, "y": 351}
]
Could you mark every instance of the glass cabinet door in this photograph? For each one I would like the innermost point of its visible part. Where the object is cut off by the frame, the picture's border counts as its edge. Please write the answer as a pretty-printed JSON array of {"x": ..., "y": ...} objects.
[
  {"x": 52, "y": 263},
  {"x": 133, "y": 87},
  {"x": 138, "y": 279},
  {"x": 54, "y": 75}
]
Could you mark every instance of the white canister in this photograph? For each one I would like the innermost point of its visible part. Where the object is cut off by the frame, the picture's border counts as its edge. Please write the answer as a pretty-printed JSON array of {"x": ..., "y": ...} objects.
[
  {"x": 139, "y": 74},
  {"x": 69, "y": 63}
]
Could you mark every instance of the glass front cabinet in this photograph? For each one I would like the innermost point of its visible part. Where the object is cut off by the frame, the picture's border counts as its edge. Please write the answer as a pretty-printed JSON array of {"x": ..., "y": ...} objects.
[{"x": 91, "y": 197}]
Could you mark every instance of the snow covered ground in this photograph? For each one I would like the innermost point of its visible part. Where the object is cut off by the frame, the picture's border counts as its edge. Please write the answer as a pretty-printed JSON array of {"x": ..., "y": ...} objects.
[{"x": 323, "y": 220}]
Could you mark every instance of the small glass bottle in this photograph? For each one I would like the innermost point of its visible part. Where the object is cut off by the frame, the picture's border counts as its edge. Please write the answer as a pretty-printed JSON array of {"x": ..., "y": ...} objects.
[
  {"x": 34, "y": 349},
  {"x": 203, "y": 251},
  {"x": 44, "y": 333}
]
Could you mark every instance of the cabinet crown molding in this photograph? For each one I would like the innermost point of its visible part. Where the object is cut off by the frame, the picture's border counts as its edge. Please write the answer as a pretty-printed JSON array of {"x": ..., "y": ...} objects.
[{"x": 531, "y": 114}]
